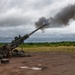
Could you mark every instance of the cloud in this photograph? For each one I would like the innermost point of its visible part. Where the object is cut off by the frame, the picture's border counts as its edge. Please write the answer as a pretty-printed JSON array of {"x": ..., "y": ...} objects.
[
  {"x": 19, "y": 16},
  {"x": 14, "y": 17}
]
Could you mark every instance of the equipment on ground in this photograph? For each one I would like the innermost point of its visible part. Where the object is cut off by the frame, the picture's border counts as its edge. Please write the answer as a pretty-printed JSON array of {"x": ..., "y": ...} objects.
[
  {"x": 4, "y": 61},
  {"x": 8, "y": 50}
]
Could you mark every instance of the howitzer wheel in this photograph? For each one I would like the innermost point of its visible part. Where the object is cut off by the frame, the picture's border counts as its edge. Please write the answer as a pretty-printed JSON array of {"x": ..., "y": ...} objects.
[
  {"x": 15, "y": 51},
  {"x": 21, "y": 52},
  {"x": 4, "y": 61}
]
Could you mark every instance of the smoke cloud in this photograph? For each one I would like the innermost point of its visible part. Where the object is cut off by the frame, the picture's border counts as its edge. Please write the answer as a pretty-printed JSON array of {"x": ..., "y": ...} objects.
[{"x": 61, "y": 19}]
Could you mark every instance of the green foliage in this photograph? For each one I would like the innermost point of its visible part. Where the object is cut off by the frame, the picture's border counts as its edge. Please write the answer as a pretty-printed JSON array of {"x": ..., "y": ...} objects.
[
  {"x": 52, "y": 44},
  {"x": 1, "y": 44}
]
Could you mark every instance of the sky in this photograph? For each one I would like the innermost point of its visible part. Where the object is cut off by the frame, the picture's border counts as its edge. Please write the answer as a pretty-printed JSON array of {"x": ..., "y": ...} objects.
[{"x": 18, "y": 17}]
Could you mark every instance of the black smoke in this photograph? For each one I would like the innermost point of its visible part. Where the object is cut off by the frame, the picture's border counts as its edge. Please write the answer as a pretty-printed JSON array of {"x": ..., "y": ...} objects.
[{"x": 61, "y": 19}]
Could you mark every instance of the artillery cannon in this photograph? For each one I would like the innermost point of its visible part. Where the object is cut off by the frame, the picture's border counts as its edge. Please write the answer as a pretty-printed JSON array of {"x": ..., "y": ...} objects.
[{"x": 9, "y": 49}]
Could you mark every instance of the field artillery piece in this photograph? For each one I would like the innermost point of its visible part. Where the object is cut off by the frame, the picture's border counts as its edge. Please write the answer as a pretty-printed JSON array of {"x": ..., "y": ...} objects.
[{"x": 8, "y": 50}]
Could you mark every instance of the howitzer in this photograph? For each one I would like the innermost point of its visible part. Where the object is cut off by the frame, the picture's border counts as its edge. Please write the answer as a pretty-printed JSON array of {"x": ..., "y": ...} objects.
[
  {"x": 7, "y": 49},
  {"x": 19, "y": 40}
]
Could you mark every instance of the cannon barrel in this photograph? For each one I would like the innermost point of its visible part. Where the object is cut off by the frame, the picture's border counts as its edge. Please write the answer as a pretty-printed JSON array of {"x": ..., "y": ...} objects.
[{"x": 36, "y": 29}]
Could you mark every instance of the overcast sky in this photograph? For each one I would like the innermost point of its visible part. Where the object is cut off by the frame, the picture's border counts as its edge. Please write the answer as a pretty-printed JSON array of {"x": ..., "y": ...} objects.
[{"x": 19, "y": 17}]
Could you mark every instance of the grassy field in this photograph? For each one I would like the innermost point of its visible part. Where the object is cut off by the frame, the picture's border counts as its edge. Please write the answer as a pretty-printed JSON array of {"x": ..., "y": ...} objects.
[{"x": 66, "y": 49}]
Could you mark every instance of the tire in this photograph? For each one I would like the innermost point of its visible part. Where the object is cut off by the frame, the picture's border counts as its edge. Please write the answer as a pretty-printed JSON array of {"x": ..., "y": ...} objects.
[
  {"x": 28, "y": 55},
  {"x": 21, "y": 52},
  {"x": 4, "y": 61},
  {"x": 15, "y": 51}
]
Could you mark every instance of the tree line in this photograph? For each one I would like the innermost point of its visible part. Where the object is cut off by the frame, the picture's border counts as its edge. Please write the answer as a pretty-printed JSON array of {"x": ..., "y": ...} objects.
[
  {"x": 67, "y": 43},
  {"x": 51, "y": 44}
]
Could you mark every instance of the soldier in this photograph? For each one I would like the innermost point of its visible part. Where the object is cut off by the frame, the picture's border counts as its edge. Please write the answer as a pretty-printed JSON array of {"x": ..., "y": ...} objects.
[{"x": 19, "y": 36}]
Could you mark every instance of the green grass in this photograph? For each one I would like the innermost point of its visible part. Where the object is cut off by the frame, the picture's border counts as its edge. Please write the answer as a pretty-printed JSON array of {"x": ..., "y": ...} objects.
[{"x": 66, "y": 49}]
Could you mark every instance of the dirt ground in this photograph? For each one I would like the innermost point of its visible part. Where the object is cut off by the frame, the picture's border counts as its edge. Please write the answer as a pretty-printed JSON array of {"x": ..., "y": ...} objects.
[{"x": 40, "y": 64}]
